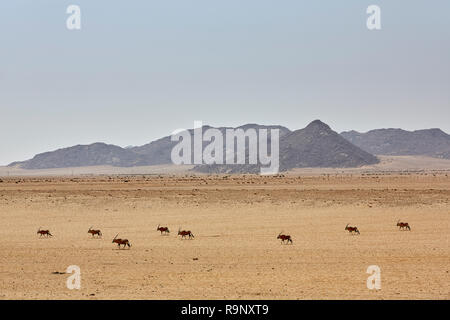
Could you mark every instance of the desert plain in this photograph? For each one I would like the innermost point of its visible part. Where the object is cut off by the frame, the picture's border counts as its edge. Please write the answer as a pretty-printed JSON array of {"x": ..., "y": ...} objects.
[{"x": 235, "y": 220}]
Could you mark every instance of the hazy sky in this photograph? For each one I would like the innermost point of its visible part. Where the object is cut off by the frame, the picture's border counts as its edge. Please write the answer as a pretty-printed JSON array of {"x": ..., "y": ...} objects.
[{"x": 137, "y": 70}]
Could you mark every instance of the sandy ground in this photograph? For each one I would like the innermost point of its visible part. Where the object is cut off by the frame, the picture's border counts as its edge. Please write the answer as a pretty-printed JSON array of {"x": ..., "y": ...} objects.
[
  {"x": 389, "y": 164},
  {"x": 99, "y": 170},
  {"x": 235, "y": 220}
]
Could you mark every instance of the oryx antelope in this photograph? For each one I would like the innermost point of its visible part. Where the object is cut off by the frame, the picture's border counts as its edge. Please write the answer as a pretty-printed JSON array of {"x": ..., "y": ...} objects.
[
  {"x": 44, "y": 232},
  {"x": 163, "y": 229},
  {"x": 403, "y": 225},
  {"x": 185, "y": 233},
  {"x": 351, "y": 229},
  {"x": 95, "y": 232},
  {"x": 123, "y": 242},
  {"x": 285, "y": 237}
]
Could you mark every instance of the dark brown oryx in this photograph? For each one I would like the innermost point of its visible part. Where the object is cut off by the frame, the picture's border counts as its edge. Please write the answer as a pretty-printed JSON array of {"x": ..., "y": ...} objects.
[
  {"x": 403, "y": 225},
  {"x": 185, "y": 233},
  {"x": 285, "y": 237},
  {"x": 125, "y": 242},
  {"x": 95, "y": 232},
  {"x": 351, "y": 229},
  {"x": 44, "y": 232},
  {"x": 163, "y": 229}
]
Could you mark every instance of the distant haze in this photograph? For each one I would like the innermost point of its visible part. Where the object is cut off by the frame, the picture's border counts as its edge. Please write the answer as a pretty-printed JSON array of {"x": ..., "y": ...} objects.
[{"x": 138, "y": 70}]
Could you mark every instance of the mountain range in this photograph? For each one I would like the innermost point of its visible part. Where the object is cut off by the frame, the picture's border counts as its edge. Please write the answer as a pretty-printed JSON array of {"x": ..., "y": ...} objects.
[
  {"x": 431, "y": 142},
  {"x": 313, "y": 146},
  {"x": 316, "y": 145}
]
